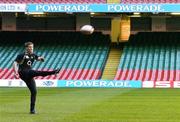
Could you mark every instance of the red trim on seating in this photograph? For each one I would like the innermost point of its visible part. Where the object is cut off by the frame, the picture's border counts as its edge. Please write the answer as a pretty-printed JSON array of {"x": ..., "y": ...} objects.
[
  {"x": 87, "y": 71},
  {"x": 92, "y": 74},
  {"x": 71, "y": 74},
  {"x": 177, "y": 74},
  {"x": 62, "y": 73},
  {"x": 3, "y": 72},
  {"x": 162, "y": 75},
  {"x": 96, "y": 75},
  {"x": 8, "y": 74},
  {"x": 138, "y": 74},
  {"x": 148, "y": 75},
  {"x": 78, "y": 74},
  {"x": 66, "y": 74},
  {"x": 134, "y": 74},
  {"x": 172, "y": 75},
  {"x": 129, "y": 74},
  {"x": 165, "y": 75},
  {"x": 123, "y": 76},
  {"x": 144, "y": 75},
  {"x": 120, "y": 72},
  {"x": 141, "y": 75},
  {"x": 74, "y": 73}
]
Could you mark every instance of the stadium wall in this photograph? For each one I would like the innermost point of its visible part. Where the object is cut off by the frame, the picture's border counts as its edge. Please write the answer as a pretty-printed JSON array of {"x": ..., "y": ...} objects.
[
  {"x": 71, "y": 22},
  {"x": 8, "y": 22},
  {"x": 82, "y": 19},
  {"x": 155, "y": 23},
  {"x": 158, "y": 24}
]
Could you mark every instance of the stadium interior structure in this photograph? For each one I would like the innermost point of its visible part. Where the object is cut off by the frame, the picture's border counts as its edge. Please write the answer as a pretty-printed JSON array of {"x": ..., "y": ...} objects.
[{"x": 124, "y": 46}]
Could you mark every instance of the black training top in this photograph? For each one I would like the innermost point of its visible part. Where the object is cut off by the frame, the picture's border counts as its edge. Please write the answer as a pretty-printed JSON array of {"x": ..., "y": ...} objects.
[{"x": 25, "y": 60}]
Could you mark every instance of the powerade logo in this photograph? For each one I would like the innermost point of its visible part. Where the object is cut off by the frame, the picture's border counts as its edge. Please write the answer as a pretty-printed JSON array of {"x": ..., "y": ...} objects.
[
  {"x": 99, "y": 83},
  {"x": 103, "y": 7},
  {"x": 48, "y": 83},
  {"x": 61, "y": 8},
  {"x": 135, "y": 8}
]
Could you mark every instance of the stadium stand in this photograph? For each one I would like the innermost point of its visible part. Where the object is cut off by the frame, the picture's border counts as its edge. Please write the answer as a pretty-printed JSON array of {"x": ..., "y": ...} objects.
[
  {"x": 151, "y": 57},
  {"x": 53, "y": 1},
  {"x": 150, "y": 1},
  {"x": 79, "y": 56}
]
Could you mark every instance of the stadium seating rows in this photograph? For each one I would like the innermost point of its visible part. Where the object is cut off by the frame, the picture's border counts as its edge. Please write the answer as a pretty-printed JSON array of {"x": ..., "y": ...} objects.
[
  {"x": 151, "y": 57},
  {"x": 78, "y": 56},
  {"x": 147, "y": 56}
]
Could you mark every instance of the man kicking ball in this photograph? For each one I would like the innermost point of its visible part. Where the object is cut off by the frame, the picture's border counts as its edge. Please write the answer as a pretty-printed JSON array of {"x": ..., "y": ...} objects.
[{"x": 23, "y": 68}]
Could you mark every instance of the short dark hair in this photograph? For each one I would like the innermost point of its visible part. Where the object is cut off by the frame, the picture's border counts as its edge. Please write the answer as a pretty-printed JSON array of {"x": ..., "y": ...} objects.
[{"x": 28, "y": 43}]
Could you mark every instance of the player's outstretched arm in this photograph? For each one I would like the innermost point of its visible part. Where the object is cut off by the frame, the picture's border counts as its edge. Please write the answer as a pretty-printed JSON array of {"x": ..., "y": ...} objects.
[
  {"x": 15, "y": 68},
  {"x": 40, "y": 58}
]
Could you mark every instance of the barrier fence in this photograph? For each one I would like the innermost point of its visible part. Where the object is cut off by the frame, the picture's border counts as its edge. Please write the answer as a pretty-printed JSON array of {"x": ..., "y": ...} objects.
[{"x": 93, "y": 83}]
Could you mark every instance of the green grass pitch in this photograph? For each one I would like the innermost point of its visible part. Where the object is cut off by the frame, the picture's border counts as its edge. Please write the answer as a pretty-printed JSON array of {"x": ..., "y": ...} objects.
[{"x": 91, "y": 105}]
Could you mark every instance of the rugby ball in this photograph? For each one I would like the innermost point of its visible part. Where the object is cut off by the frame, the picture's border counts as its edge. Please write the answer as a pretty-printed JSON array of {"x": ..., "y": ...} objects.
[{"x": 87, "y": 29}]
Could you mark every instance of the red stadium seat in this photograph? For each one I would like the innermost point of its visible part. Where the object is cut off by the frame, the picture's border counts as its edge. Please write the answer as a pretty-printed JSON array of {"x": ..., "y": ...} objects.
[{"x": 159, "y": 63}]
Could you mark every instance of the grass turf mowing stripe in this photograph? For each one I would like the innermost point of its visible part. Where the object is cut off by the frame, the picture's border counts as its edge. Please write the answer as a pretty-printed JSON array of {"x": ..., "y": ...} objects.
[{"x": 91, "y": 105}]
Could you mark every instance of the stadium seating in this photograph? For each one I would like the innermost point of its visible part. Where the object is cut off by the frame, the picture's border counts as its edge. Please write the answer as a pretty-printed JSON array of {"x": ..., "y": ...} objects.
[
  {"x": 79, "y": 56},
  {"x": 151, "y": 57},
  {"x": 150, "y": 1},
  {"x": 53, "y": 1}
]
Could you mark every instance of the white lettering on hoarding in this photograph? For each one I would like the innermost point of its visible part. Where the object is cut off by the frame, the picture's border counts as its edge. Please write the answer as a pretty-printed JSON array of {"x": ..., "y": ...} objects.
[
  {"x": 138, "y": 8},
  {"x": 148, "y": 84},
  {"x": 135, "y": 8},
  {"x": 102, "y": 83},
  {"x": 63, "y": 8},
  {"x": 102, "y": 7},
  {"x": 161, "y": 84},
  {"x": 12, "y": 7},
  {"x": 69, "y": 83},
  {"x": 97, "y": 83},
  {"x": 16, "y": 83},
  {"x": 176, "y": 84},
  {"x": 68, "y": 8}
]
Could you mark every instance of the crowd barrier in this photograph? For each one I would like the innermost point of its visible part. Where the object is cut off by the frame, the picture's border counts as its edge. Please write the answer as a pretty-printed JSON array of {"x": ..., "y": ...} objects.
[{"x": 93, "y": 83}]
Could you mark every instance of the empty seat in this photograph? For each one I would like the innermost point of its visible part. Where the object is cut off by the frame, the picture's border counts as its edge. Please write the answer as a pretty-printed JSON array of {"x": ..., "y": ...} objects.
[
  {"x": 155, "y": 60},
  {"x": 78, "y": 57}
]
